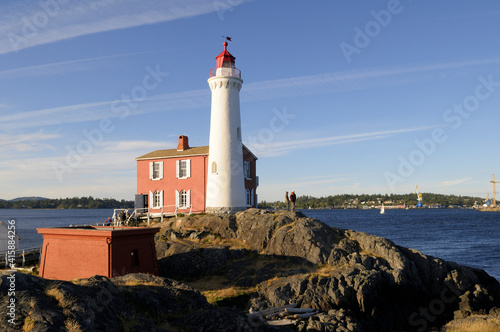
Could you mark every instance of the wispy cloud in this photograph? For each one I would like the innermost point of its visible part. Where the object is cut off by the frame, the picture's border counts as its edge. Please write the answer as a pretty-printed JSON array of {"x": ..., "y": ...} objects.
[
  {"x": 451, "y": 183},
  {"x": 26, "y": 142},
  {"x": 112, "y": 159},
  {"x": 139, "y": 146},
  {"x": 63, "y": 67},
  {"x": 271, "y": 89},
  {"x": 275, "y": 149},
  {"x": 27, "y": 24}
]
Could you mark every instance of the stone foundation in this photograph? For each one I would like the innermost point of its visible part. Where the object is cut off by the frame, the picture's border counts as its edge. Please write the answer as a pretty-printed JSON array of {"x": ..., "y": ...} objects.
[{"x": 224, "y": 210}]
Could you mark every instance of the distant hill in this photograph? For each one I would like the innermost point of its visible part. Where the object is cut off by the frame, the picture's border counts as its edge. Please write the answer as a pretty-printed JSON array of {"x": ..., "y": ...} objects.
[
  {"x": 36, "y": 202},
  {"x": 29, "y": 198}
]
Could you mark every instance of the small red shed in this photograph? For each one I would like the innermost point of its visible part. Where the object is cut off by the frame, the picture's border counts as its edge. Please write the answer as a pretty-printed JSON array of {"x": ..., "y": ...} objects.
[{"x": 82, "y": 252}]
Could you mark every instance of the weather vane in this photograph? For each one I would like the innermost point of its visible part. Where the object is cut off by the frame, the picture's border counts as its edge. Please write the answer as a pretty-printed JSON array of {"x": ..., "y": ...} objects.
[{"x": 226, "y": 38}]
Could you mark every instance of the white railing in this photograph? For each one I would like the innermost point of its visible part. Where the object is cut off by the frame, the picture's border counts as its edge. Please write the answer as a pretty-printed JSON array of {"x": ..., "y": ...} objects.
[{"x": 20, "y": 254}]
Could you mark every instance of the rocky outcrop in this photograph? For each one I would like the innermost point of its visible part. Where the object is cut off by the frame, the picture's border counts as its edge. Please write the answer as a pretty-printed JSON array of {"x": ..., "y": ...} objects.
[
  {"x": 358, "y": 281},
  {"x": 135, "y": 302},
  {"x": 354, "y": 281}
]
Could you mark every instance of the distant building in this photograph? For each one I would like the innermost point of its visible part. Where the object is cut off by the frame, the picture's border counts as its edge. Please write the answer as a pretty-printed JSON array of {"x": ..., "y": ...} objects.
[{"x": 175, "y": 180}]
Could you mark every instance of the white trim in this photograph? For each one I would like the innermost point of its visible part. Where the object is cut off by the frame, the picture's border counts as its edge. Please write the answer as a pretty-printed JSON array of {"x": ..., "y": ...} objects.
[
  {"x": 171, "y": 157},
  {"x": 152, "y": 170},
  {"x": 188, "y": 198},
  {"x": 178, "y": 167},
  {"x": 150, "y": 199},
  {"x": 176, "y": 198},
  {"x": 248, "y": 150}
]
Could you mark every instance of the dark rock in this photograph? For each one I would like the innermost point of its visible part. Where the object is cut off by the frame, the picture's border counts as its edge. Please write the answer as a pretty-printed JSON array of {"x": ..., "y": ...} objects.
[{"x": 358, "y": 282}]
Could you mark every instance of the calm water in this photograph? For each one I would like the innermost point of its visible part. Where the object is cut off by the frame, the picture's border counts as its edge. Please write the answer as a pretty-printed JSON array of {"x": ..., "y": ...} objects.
[
  {"x": 27, "y": 221},
  {"x": 464, "y": 236}
]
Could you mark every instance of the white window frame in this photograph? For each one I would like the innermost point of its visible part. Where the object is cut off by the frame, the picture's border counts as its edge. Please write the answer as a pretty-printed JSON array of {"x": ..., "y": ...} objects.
[
  {"x": 178, "y": 167},
  {"x": 183, "y": 202},
  {"x": 248, "y": 197},
  {"x": 156, "y": 199},
  {"x": 247, "y": 170},
  {"x": 159, "y": 165}
]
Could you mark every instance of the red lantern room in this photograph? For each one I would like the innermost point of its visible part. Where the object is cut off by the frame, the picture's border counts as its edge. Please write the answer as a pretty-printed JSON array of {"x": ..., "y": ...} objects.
[
  {"x": 225, "y": 64},
  {"x": 225, "y": 59}
]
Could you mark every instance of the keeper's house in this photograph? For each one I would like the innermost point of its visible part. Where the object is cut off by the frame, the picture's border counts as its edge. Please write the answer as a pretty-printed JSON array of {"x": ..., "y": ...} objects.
[{"x": 175, "y": 180}]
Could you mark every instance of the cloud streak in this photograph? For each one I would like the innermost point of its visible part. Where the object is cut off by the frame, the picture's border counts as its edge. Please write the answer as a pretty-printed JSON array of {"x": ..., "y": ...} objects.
[
  {"x": 62, "y": 67},
  {"x": 354, "y": 80},
  {"x": 26, "y": 24},
  {"x": 26, "y": 142},
  {"x": 285, "y": 147}
]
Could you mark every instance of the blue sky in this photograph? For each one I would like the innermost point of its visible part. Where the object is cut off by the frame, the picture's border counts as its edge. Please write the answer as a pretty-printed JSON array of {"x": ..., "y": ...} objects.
[{"x": 338, "y": 96}]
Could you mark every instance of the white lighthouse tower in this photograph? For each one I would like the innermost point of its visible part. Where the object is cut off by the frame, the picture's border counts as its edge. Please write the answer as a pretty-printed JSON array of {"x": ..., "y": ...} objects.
[{"x": 225, "y": 182}]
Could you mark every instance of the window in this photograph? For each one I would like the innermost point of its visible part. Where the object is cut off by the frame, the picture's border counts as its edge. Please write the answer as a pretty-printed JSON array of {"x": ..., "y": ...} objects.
[
  {"x": 156, "y": 170},
  {"x": 183, "y": 199},
  {"x": 183, "y": 169},
  {"x": 249, "y": 197},
  {"x": 158, "y": 199},
  {"x": 214, "y": 167},
  {"x": 247, "y": 170}
]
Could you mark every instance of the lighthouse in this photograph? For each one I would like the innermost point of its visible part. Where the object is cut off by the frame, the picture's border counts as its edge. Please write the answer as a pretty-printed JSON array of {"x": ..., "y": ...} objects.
[{"x": 225, "y": 180}]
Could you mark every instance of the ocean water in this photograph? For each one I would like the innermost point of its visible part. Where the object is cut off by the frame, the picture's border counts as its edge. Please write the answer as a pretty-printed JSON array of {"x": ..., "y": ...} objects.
[
  {"x": 27, "y": 221},
  {"x": 464, "y": 236}
]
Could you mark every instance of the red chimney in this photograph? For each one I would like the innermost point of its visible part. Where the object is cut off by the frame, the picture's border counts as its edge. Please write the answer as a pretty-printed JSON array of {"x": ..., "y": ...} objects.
[{"x": 183, "y": 143}]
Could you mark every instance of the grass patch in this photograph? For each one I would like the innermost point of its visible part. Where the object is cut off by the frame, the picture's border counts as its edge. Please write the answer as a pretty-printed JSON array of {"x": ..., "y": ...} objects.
[
  {"x": 64, "y": 300},
  {"x": 29, "y": 324},
  {"x": 232, "y": 243},
  {"x": 475, "y": 323},
  {"x": 72, "y": 325},
  {"x": 230, "y": 297},
  {"x": 324, "y": 270}
]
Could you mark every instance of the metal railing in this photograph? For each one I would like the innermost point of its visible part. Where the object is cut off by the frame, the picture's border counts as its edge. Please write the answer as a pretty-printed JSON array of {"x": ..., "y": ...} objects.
[{"x": 225, "y": 71}]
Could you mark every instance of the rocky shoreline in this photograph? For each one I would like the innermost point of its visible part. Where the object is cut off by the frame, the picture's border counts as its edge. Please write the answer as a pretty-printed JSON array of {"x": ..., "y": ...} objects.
[{"x": 225, "y": 267}]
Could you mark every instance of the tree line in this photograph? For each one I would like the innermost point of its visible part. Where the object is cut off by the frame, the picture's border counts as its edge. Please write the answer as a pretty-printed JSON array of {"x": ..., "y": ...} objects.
[
  {"x": 67, "y": 203},
  {"x": 366, "y": 200}
]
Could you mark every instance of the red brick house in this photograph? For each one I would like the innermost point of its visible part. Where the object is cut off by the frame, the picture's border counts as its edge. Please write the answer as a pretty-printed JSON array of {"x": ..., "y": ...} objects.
[{"x": 175, "y": 180}]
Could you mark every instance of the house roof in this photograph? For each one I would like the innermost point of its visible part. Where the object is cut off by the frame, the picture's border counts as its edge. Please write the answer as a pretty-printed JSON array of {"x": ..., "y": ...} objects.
[{"x": 172, "y": 153}]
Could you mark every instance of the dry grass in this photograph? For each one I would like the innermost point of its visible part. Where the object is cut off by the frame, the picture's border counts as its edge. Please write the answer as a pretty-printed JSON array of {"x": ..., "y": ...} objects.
[
  {"x": 231, "y": 242},
  {"x": 215, "y": 289},
  {"x": 64, "y": 300},
  {"x": 324, "y": 270},
  {"x": 72, "y": 325},
  {"x": 475, "y": 323},
  {"x": 29, "y": 324},
  {"x": 215, "y": 296}
]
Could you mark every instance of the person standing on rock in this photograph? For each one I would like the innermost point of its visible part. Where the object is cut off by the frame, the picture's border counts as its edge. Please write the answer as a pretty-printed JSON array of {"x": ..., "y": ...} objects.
[
  {"x": 292, "y": 200},
  {"x": 287, "y": 201}
]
